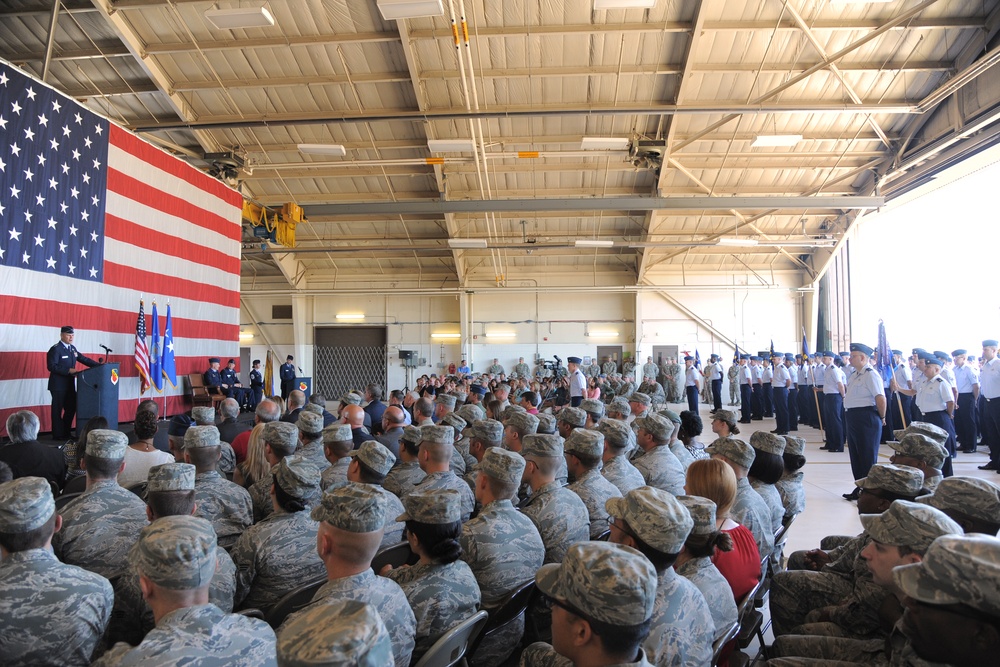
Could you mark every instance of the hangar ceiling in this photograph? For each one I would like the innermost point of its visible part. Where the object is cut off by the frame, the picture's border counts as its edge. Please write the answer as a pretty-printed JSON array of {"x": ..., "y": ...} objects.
[{"x": 881, "y": 94}]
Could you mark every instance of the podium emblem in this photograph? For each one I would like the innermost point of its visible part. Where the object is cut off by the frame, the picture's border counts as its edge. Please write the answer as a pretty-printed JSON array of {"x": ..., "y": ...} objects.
[
  {"x": 114, "y": 376},
  {"x": 303, "y": 386}
]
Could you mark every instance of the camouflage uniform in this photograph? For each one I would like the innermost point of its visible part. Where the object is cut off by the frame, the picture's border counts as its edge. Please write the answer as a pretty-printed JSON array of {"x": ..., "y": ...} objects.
[
  {"x": 561, "y": 518},
  {"x": 541, "y": 654},
  {"x": 682, "y": 453},
  {"x": 227, "y": 459},
  {"x": 99, "y": 527},
  {"x": 448, "y": 480},
  {"x": 385, "y": 595},
  {"x": 750, "y": 510},
  {"x": 343, "y": 633},
  {"x": 522, "y": 370},
  {"x": 772, "y": 498},
  {"x": 594, "y": 490},
  {"x": 202, "y": 635},
  {"x": 226, "y": 505},
  {"x": 620, "y": 472},
  {"x": 313, "y": 452},
  {"x": 661, "y": 469},
  {"x": 403, "y": 477},
  {"x": 793, "y": 494},
  {"x": 335, "y": 475},
  {"x": 715, "y": 589}
]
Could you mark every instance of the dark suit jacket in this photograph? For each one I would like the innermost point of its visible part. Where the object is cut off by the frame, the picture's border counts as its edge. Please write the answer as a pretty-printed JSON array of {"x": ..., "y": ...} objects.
[
  {"x": 361, "y": 436},
  {"x": 33, "y": 459},
  {"x": 60, "y": 361},
  {"x": 374, "y": 410},
  {"x": 391, "y": 440},
  {"x": 292, "y": 416},
  {"x": 230, "y": 428}
]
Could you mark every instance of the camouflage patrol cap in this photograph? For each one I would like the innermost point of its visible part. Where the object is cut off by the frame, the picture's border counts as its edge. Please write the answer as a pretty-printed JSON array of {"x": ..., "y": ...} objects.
[
  {"x": 351, "y": 398},
  {"x": 932, "y": 431},
  {"x": 338, "y": 433},
  {"x": 620, "y": 405},
  {"x": 615, "y": 431},
  {"x": 203, "y": 415},
  {"x": 310, "y": 423},
  {"x": 202, "y": 436},
  {"x": 670, "y": 415},
  {"x": 455, "y": 421},
  {"x": 446, "y": 400},
  {"x": 345, "y": 633},
  {"x": 471, "y": 413},
  {"x": 610, "y": 583},
  {"x": 585, "y": 442},
  {"x": 437, "y": 435},
  {"x": 460, "y": 397},
  {"x": 641, "y": 398},
  {"x": 376, "y": 456},
  {"x": 907, "y": 524},
  {"x": 956, "y": 569},
  {"x": 176, "y": 552},
  {"x": 502, "y": 465},
  {"x": 356, "y": 508},
  {"x": 572, "y": 416},
  {"x": 432, "y": 506},
  {"x": 919, "y": 446},
  {"x": 656, "y": 426},
  {"x": 489, "y": 430},
  {"x": 522, "y": 421},
  {"x": 506, "y": 413},
  {"x": 546, "y": 423},
  {"x": 733, "y": 449},
  {"x": 25, "y": 504},
  {"x": 702, "y": 511},
  {"x": 282, "y": 434},
  {"x": 542, "y": 445},
  {"x": 171, "y": 477},
  {"x": 901, "y": 480},
  {"x": 411, "y": 434},
  {"x": 313, "y": 409},
  {"x": 106, "y": 444},
  {"x": 793, "y": 444},
  {"x": 655, "y": 516},
  {"x": 768, "y": 442},
  {"x": 297, "y": 476},
  {"x": 972, "y": 496},
  {"x": 724, "y": 416},
  {"x": 593, "y": 406}
]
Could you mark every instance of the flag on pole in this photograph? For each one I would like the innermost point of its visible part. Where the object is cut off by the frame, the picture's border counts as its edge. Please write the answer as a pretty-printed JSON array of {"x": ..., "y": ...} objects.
[
  {"x": 736, "y": 354},
  {"x": 168, "y": 366},
  {"x": 805, "y": 343},
  {"x": 141, "y": 351},
  {"x": 884, "y": 353},
  {"x": 697, "y": 358},
  {"x": 772, "y": 349},
  {"x": 155, "y": 354},
  {"x": 268, "y": 376}
]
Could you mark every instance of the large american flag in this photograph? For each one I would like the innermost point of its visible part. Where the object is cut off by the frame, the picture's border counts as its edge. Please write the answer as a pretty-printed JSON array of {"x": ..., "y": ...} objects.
[{"x": 91, "y": 217}]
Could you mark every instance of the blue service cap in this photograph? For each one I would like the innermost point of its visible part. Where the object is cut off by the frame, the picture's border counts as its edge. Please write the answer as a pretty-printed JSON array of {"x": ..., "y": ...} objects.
[
  {"x": 990, "y": 342},
  {"x": 789, "y": 356},
  {"x": 478, "y": 389},
  {"x": 744, "y": 356},
  {"x": 777, "y": 354},
  {"x": 755, "y": 358},
  {"x": 943, "y": 356},
  {"x": 688, "y": 358},
  {"x": 959, "y": 351},
  {"x": 862, "y": 348},
  {"x": 214, "y": 360},
  {"x": 931, "y": 359},
  {"x": 828, "y": 353},
  {"x": 899, "y": 352},
  {"x": 574, "y": 360},
  {"x": 918, "y": 351},
  {"x": 844, "y": 354},
  {"x": 179, "y": 425}
]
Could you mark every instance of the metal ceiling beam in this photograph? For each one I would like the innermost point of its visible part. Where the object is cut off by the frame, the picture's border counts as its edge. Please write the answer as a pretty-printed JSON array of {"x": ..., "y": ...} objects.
[
  {"x": 61, "y": 53},
  {"x": 599, "y": 204},
  {"x": 114, "y": 90},
  {"x": 45, "y": 9},
  {"x": 282, "y": 42}
]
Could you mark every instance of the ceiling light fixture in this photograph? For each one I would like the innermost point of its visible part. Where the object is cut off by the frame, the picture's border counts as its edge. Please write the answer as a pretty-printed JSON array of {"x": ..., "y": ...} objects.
[
  {"x": 605, "y": 144},
  {"x": 350, "y": 316},
  {"x": 335, "y": 150},
  {"x": 446, "y": 335},
  {"x": 736, "y": 241},
  {"x": 245, "y": 336},
  {"x": 776, "y": 140},
  {"x": 451, "y": 145},
  {"x": 466, "y": 243},
  {"x": 624, "y": 4},
  {"x": 594, "y": 243},
  {"x": 501, "y": 334},
  {"x": 240, "y": 17},
  {"x": 393, "y": 10},
  {"x": 603, "y": 334}
]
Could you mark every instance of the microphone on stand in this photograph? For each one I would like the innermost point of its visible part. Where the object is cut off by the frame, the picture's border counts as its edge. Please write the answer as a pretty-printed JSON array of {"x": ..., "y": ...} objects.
[{"x": 107, "y": 352}]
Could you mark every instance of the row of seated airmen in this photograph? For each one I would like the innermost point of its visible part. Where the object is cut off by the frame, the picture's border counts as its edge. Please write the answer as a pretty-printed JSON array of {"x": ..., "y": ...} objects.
[{"x": 485, "y": 506}]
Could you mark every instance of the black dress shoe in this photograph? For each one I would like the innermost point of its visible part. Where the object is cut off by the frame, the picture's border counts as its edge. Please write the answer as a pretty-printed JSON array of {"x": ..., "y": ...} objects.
[
  {"x": 825, "y": 448},
  {"x": 853, "y": 495},
  {"x": 989, "y": 466},
  {"x": 969, "y": 451}
]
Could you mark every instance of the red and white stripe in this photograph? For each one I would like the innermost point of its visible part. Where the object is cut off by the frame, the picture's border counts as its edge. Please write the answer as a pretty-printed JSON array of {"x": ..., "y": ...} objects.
[{"x": 172, "y": 234}]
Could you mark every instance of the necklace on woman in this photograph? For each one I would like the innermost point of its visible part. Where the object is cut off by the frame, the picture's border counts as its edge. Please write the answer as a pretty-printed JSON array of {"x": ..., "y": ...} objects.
[{"x": 147, "y": 445}]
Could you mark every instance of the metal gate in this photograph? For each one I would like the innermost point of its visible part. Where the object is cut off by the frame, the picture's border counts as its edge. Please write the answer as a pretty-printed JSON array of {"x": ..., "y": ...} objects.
[{"x": 346, "y": 358}]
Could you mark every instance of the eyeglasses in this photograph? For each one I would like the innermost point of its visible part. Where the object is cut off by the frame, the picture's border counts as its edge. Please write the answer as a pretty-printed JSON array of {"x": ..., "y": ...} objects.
[{"x": 622, "y": 525}]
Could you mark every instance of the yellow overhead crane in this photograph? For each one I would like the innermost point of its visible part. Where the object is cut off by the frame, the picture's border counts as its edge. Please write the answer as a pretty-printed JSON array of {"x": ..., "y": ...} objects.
[{"x": 277, "y": 226}]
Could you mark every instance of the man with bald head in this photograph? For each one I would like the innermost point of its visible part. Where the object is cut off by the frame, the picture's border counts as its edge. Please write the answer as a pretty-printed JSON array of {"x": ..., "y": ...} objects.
[
  {"x": 295, "y": 403},
  {"x": 354, "y": 416},
  {"x": 267, "y": 411},
  {"x": 393, "y": 421}
]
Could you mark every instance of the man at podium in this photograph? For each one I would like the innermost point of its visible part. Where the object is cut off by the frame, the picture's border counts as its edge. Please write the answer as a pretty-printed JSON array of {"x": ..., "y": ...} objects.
[{"x": 61, "y": 360}]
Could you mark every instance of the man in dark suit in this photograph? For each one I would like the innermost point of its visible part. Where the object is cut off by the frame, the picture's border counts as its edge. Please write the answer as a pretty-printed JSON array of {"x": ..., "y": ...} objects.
[
  {"x": 393, "y": 421},
  {"x": 61, "y": 360},
  {"x": 287, "y": 375},
  {"x": 26, "y": 456},
  {"x": 375, "y": 407},
  {"x": 296, "y": 401}
]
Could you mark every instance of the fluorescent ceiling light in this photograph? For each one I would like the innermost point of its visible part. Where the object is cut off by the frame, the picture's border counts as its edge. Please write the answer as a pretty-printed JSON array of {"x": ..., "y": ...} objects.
[
  {"x": 240, "y": 17},
  {"x": 466, "y": 243},
  {"x": 446, "y": 335},
  {"x": 594, "y": 243},
  {"x": 775, "y": 140},
  {"x": 603, "y": 334},
  {"x": 323, "y": 149},
  {"x": 246, "y": 335},
  {"x": 451, "y": 145},
  {"x": 393, "y": 10},
  {"x": 350, "y": 316},
  {"x": 624, "y": 4},
  {"x": 501, "y": 334},
  {"x": 736, "y": 241},
  {"x": 604, "y": 144}
]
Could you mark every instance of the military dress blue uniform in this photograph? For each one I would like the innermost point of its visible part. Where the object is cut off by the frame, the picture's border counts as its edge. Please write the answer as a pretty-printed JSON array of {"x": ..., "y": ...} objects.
[
  {"x": 213, "y": 379},
  {"x": 746, "y": 380},
  {"x": 61, "y": 359},
  {"x": 864, "y": 423},
  {"x": 779, "y": 396},
  {"x": 286, "y": 373},
  {"x": 230, "y": 378},
  {"x": 256, "y": 388},
  {"x": 833, "y": 407}
]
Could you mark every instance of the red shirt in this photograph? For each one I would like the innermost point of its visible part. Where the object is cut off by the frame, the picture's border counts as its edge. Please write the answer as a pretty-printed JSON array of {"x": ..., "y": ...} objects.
[
  {"x": 240, "y": 444},
  {"x": 741, "y": 566}
]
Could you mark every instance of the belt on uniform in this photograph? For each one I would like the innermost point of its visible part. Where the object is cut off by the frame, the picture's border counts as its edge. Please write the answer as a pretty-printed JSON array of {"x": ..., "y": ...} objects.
[{"x": 867, "y": 407}]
